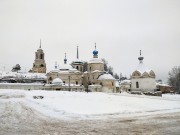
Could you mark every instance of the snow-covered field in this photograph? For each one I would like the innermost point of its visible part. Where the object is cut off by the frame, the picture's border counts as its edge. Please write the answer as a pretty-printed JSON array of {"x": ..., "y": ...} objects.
[{"x": 66, "y": 105}]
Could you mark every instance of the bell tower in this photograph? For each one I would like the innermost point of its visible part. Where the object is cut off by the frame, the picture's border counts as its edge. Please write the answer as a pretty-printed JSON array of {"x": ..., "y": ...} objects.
[{"x": 39, "y": 65}]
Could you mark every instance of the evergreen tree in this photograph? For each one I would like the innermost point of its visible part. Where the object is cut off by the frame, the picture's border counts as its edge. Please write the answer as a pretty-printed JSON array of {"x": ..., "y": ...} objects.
[{"x": 16, "y": 68}]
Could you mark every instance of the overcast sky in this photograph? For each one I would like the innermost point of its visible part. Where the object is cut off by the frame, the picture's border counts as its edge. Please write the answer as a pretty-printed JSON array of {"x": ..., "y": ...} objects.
[{"x": 119, "y": 27}]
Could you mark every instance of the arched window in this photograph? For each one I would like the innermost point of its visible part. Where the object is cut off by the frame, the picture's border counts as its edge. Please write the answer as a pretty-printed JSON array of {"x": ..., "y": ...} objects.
[
  {"x": 42, "y": 65},
  {"x": 137, "y": 84},
  {"x": 41, "y": 57},
  {"x": 76, "y": 82},
  {"x": 77, "y": 67}
]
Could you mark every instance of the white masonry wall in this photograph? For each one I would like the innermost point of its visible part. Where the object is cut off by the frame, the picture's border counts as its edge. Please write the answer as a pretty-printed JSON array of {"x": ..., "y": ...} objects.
[{"x": 145, "y": 84}]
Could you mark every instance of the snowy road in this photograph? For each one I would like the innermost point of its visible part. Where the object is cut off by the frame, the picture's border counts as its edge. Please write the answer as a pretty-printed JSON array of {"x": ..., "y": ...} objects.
[{"x": 18, "y": 118}]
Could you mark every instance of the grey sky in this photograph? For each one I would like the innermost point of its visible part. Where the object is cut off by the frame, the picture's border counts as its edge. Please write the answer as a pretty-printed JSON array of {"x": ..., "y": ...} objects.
[{"x": 120, "y": 29}]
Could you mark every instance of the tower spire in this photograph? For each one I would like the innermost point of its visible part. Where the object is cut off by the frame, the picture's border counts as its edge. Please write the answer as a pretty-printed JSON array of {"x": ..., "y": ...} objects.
[
  {"x": 40, "y": 44},
  {"x": 77, "y": 52},
  {"x": 95, "y": 46}
]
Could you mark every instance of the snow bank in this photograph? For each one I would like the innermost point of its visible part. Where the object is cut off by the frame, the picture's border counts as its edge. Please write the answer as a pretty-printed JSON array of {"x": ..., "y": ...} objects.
[{"x": 80, "y": 104}]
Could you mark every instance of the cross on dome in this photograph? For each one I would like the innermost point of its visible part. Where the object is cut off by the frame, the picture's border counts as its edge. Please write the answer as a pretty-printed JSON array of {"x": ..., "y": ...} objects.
[
  {"x": 65, "y": 59},
  {"x": 140, "y": 58}
]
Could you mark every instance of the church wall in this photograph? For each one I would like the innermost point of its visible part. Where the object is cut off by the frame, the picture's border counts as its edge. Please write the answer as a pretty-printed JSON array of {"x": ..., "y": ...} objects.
[
  {"x": 107, "y": 85},
  {"x": 21, "y": 86},
  {"x": 95, "y": 66},
  {"x": 74, "y": 78},
  {"x": 93, "y": 77},
  {"x": 145, "y": 84}
]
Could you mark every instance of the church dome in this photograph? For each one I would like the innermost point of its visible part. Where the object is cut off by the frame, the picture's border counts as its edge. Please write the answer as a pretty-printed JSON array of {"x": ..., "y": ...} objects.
[
  {"x": 57, "y": 81},
  {"x": 106, "y": 77},
  {"x": 95, "y": 52}
]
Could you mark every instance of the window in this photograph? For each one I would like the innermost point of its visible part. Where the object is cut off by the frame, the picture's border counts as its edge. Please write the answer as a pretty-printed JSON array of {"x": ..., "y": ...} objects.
[
  {"x": 64, "y": 82},
  {"x": 90, "y": 68},
  {"x": 50, "y": 80},
  {"x": 76, "y": 82},
  {"x": 77, "y": 67},
  {"x": 137, "y": 84},
  {"x": 112, "y": 84},
  {"x": 42, "y": 65},
  {"x": 41, "y": 56}
]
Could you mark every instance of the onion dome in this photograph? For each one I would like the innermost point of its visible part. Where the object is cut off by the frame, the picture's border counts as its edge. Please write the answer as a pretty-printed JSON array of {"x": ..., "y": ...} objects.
[
  {"x": 140, "y": 58},
  {"x": 95, "y": 52},
  {"x": 65, "y": 59}
]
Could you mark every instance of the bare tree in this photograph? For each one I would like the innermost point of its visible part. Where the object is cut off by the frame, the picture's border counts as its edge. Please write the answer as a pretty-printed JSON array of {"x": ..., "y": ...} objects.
[
  {"x": 111, "y": 70},
  {"x": 105, "y": 65},
  {"x": 174, "y": 78},
  {"x": 85, "y": 67},
  {"x": 116, "y": 76}
]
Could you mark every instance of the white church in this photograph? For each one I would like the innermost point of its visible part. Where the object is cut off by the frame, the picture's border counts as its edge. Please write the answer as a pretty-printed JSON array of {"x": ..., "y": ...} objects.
[{"x": 143, "y": 78}]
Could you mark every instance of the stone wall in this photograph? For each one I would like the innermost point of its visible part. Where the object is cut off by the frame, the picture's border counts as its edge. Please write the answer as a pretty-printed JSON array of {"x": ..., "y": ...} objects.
[{"x": 21, "y": 86}]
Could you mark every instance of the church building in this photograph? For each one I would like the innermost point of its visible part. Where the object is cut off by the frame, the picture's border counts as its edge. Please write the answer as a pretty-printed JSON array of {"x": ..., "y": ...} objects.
[
  {"x": 92, "y": 79},
  {"x": 143, "y": 79}
]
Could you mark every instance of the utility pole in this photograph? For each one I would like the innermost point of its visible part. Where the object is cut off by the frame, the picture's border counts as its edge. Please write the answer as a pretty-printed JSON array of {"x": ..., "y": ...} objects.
[{"x": 69, "y": 83}]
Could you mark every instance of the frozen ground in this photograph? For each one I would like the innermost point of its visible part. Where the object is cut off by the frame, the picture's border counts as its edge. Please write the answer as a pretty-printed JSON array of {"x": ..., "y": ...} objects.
[{"x": 87, "y": 113}]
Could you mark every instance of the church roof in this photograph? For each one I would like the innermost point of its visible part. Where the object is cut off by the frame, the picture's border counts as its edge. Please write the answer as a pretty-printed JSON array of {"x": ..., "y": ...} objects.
[
  {"x": 78, "y": 61},
  {"x": 96, "y": 60},
  {"x": 65, "y": 67},
  {"x": 142, "y": 68}
]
